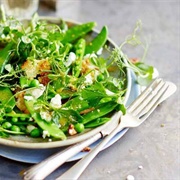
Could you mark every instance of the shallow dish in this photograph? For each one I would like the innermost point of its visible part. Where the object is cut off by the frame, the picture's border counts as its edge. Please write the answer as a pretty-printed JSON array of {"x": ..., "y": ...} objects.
[
  {"x": 37, "y": 155},
  {"x": 39, "y": 143}
]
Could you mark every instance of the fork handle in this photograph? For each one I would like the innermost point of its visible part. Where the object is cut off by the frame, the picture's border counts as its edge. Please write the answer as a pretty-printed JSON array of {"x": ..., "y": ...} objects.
[
  {"x": 75, "y": 171},
  {"x": 43, "y": 169}
]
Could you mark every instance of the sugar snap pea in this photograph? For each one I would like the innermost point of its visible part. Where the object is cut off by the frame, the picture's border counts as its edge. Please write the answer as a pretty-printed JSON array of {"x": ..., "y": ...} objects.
[
  {"x": 97, "y": 42},
  {"x": 80, "y": 49},
  {"x": 17, "y": 115},
  {"x": 100, "y": 111},
  {"x": 50, "y": 127},
  {"x": 97, "y": 122},
  {"x": 7, "y": 98},
  {"x": 5, "y": 55},
  {"x": 77, "y": 31}
]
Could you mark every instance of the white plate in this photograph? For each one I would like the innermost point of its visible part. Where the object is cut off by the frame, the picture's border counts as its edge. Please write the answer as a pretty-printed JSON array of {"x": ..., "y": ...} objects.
[{"x": 37, "y": 155}]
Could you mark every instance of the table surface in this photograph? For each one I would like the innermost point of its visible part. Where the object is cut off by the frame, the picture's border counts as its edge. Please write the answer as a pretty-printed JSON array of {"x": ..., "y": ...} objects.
[{"x": 155, "y": 144}]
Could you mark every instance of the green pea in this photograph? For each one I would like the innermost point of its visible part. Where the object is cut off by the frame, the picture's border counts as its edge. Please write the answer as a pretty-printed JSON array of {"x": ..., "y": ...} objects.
[
  {"x": 35, "y": 132},
  {"x": 6, "y": 125},
  {"x": 100, "y": 77},
  {"x": 34, "y": 83},
  {"x": 22, "y": 118},
  {"x": 24, "y": 82},
  {"x": 15, "y": 128},
  {"x": 14, "y": 119},
  {"x": 79, "y": 127},
  {"x": 80, "y": 48}
]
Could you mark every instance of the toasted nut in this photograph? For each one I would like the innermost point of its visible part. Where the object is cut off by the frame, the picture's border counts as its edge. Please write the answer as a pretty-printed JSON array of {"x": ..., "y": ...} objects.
[{"x": 71, "y": 130}]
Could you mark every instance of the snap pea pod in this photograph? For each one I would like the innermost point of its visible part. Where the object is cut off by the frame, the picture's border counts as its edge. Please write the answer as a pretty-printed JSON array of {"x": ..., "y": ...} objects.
[
  {"x": 17, "y": 115},
  {"x": 97, "y": 42},
  {"x": 7, "y": 98},
  {"x": 5, "y": 55},
  {"x": 97, "y": 122},
  {"x": 80, "y": 49},
  {"x": 100, "y": 111},
  {"x": 65, "y": 50},
  {"x": 77, "y": 31},
  {"x": 11, "y": 132},
  {"x": 52, "y": 128}
]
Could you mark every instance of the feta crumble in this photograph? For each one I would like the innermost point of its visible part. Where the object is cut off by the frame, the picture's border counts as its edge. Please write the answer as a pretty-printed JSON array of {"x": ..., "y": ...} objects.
[
  {"x": 56, "y": 101},
  {"x": 28, "y": 98},
  {"x": 70, "y": 59},
  {"x": 37, "y": 92},
  {"x": 87, "y": 56},
  {"x": 30, "y": 128},
  {"x": 45, "y": 134},
  {"x": 130, "y": 177},
  {"x": 8, "y": 67},
  {"x": 88, "y": 80},
  {"x": 140, "y": 167},
  {"x": 46, "y": 116}
]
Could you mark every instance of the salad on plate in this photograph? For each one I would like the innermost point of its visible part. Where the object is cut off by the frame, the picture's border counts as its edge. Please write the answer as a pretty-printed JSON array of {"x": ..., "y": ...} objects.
[{"x": 56, "y": 80}]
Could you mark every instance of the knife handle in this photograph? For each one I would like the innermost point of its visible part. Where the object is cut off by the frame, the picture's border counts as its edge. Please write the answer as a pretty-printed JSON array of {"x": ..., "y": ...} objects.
[{"x": 47, "y": 166}]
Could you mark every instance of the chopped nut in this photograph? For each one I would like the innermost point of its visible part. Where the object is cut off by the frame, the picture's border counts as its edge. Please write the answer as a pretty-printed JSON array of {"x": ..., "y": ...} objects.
[
  {"x": 86, "y": 149},
  {"x": 71, "y": 130},
  {"x": 87, "y": 110},
  {"x": 20, "y": 102}
]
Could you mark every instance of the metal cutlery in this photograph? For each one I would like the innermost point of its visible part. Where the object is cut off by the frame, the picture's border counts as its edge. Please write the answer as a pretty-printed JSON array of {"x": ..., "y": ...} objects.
[
  {"x": 136, "y": 114},
  {"x": 141, "y": 108}
]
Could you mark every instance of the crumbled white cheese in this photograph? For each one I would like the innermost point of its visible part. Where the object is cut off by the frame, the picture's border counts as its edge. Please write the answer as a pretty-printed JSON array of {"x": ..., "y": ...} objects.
[
  {"x": 45, "y": 134},
  {"x": 88, "y": 80},
  {"x": 56, "y": 101},
  {"x": 71, "y": 58},
  {"x": 130, "y": 177},
  {"x": 140, "y": 167},
  {"x": 28, "y": 98},
  {"x": 37, "y": 92},
  {"x": 30, "y": 128},
  {"x": 46, "y": 116},
  {"x": 87, "y": 56},
  {"x": 99, "y": 52},
  {"x": 8, "y": 67}
]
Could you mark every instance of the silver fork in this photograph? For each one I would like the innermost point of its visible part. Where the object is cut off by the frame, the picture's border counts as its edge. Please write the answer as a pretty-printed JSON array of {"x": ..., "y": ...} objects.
[
  {"x": 47, "y": 166},
  {"x": 136, "y": 114}
]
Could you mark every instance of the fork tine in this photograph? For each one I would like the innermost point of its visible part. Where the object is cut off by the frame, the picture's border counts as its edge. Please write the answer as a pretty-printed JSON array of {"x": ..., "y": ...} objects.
[
  {"x": 156, "y": 103},
  {"x": 147, "y": 99},
  {"x": 143, "y": 95}
]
